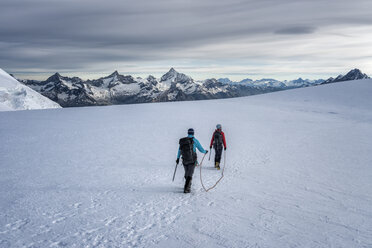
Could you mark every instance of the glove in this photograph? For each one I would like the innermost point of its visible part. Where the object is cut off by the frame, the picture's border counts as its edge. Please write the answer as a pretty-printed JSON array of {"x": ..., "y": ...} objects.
[
  {"x": 210, "y": 148},
  {"x": 225, "y": 149},
  {"x": 206, "y": 151},
  {"x": 177, "y": 160}
]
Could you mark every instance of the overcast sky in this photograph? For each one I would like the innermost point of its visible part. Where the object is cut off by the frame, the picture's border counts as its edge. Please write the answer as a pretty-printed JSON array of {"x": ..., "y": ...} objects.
[{"x": 282, "y": 39}]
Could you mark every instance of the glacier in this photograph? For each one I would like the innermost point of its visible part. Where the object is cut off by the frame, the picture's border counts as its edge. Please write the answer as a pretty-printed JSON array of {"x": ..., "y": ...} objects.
[{"x": 298, "y": 173}]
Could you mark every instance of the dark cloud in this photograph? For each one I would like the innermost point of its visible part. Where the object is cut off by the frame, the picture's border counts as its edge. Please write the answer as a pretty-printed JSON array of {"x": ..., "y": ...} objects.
[
  {"x": 77, "y": 35},
  {"x": 296, "y": 30}
]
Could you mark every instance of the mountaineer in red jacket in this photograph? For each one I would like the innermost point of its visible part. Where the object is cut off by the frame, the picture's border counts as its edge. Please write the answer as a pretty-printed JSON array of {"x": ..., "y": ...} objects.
[{"x": 218, "y": 139}]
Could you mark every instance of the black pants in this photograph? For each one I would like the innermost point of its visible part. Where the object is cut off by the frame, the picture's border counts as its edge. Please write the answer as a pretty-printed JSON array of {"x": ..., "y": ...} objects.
[
  {"x": 189, "y": 170},
  {"x": 218, "y": 151}
]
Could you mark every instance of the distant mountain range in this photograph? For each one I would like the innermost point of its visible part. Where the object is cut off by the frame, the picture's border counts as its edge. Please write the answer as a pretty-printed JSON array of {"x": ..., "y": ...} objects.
[{"x": 172, "y": 86}]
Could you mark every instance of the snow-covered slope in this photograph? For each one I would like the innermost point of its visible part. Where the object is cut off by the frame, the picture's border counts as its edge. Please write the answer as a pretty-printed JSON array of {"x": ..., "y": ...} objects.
[
  {"x": 298, "y": 173},
  {"x": 16, "y": 96}
]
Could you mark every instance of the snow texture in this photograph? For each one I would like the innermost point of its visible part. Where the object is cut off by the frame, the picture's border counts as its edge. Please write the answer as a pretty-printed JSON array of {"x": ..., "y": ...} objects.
[
  {"x": 298, "y": 173},
  {"x": 16, "y": 96}
]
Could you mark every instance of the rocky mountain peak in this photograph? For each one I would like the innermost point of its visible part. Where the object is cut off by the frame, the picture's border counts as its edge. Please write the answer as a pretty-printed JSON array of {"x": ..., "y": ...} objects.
[
  {"x": 172, "y": 70},
  {"x": 354, "y": 74},
  {"x": 175, "y": 77},
  {"x": 224, "y": 80},
  {"x": 54, "y": 78},
  {"x": 115, "y": 73},
  {"x": 172, "y": 73}
]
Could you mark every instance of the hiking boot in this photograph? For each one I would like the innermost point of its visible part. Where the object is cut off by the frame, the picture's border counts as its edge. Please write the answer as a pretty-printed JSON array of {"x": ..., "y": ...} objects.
[
  {"x": 187, "y": 188},
  {"x": 217, "y": 165}
]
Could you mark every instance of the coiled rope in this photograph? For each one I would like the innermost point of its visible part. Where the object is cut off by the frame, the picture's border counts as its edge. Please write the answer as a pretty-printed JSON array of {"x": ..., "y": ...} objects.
[{"x": 223, "y": 169}]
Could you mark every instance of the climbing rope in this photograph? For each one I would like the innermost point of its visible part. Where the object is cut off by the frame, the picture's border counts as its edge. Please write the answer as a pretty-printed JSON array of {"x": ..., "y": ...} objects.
[{"x": 223, "y": 169}]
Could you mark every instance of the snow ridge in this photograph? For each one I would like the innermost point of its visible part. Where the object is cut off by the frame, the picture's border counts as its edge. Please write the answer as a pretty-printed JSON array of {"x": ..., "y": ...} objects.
[{"x": 16, "y": 96}]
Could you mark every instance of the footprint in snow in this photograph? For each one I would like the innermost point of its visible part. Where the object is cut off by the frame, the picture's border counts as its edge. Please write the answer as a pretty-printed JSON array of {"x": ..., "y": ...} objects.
[
  {"x": 17, "y": 225},
  {"x": 58, "y": 220}
]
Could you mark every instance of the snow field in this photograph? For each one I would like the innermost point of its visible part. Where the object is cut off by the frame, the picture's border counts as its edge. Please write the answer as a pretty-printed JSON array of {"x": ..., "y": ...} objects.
[{"x": 297, "y": 175}]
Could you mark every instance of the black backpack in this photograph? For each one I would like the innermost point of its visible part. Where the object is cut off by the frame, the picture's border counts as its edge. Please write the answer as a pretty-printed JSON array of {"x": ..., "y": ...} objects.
[
  {"x": 187, "y": 150},
  {"x": 217, "y": 141}
]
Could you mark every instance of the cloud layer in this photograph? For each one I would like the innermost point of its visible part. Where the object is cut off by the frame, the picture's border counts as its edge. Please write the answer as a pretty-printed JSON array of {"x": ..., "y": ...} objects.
[{"x": 283, "y": 39}]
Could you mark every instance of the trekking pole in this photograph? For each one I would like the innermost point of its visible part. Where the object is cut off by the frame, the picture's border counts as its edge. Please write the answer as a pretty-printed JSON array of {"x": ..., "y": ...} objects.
[
  {"x": 174, "y": 174},
  {"x": 209, "y": 159}
]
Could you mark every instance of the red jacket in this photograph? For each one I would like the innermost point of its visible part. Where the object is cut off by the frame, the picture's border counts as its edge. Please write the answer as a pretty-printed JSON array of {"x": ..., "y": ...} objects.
[{"x": 223, "y": 138}]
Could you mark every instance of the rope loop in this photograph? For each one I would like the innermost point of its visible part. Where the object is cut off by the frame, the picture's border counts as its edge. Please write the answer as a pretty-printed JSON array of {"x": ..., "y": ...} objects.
[{"x": 223, "y": 169}]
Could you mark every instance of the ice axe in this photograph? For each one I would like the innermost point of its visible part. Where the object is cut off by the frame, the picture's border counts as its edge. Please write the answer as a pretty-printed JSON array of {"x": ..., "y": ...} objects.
[{"x": 174, "y": 174}]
